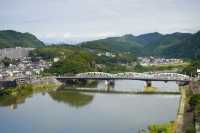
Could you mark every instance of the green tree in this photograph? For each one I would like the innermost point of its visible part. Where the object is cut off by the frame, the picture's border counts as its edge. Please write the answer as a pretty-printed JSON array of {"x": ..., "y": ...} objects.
[{"x": 6, "y": 61}]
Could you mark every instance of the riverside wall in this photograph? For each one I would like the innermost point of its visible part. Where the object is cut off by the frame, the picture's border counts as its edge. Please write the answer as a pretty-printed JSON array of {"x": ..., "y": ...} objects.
[{"x": 180, "y": 114}]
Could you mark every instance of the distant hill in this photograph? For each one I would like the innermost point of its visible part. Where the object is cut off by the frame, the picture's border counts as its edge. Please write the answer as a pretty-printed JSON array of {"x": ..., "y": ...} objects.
[
  {"x": 151, "y": 44},
  {"x": 126, "y": 43},
  {"x": 156, "y": 44},
  {"x": 10, "y": 38},
  {"x": 181, "y": 45},
  {"x": 187, "y": 48},
  {"x": 150, "y": 38}
]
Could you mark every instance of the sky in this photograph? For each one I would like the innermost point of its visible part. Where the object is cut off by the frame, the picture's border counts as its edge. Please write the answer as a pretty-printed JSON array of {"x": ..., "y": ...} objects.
[{"x": 72, "y": 21}]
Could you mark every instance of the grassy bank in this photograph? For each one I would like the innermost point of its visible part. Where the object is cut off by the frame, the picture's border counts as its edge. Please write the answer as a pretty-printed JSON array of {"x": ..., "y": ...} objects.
[
  {"x": 30, "y": 88},
  {"x": 13, "y": 96},
  {"x": 150, "y": 89},
  {"x": 16, "y": 91},
  {"x": 44, "y": 87},
  {"x": 162, "y": 128}
]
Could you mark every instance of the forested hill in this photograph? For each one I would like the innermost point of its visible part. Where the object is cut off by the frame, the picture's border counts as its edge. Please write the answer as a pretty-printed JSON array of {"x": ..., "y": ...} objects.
[
  {"x": 151, "y": 44},
  {"x": 156, "y": 44},
  {"x": 10, "y": 38},
  {"x": 126, "y": 43},
  {"x": 179, "y": 45},
  {"x": 189, "y": 48}
]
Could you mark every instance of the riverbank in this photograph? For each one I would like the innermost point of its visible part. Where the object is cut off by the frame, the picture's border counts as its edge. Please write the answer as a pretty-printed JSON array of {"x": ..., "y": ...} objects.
[
  {"x": 181, "y": 110},
  {"x": 194, "y": 105},
  {"x": 150, "y": 89},
  {"x": 12, "y": 97},
  {"x": 188, "y": 118},
  {"x": 162, "y": 128},
  {"x": 39, "y": 85},
  {"x": 27, "y": 88}
]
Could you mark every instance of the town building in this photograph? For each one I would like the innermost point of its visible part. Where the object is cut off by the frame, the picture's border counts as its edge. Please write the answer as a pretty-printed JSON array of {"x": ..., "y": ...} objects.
[
  {"x": 198, "y": 73},
  {"x": 14, "y": 53}
]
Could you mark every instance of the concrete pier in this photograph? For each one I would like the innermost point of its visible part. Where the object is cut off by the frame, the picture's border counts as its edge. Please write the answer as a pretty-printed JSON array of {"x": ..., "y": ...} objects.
[
  {"x": 148, "y": 83},
  {"x": 109, "y": 85}
]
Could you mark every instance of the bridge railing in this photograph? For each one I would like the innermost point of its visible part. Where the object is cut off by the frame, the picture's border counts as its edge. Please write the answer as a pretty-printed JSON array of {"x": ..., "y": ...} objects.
[{"x": 133, "y": 75}]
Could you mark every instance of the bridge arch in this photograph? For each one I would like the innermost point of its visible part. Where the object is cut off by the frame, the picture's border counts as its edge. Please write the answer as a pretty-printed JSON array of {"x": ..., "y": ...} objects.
[
  {"x": 94, "y": 75},
  {"x": 135, "y": 75}
]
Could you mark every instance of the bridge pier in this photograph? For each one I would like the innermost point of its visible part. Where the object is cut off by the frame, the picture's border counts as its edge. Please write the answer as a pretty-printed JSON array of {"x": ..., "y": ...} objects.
[
  {"x": 109, "y": 84},
  {"x": 148, "y": 83}
]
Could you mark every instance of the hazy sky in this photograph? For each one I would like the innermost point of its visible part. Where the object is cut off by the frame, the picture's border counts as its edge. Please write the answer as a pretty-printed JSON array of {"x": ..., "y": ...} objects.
[{"x": 75, "y": 20}]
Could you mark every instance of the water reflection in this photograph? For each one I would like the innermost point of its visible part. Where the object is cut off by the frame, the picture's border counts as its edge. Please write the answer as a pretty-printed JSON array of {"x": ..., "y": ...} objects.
[
  {"x": 72, "y": 98},
  {"x": 20, "y": 96},
  {"x": 77, "y": 99},
  {"x": 13, "y": 101},
  {"x": 62, "y": 111}
]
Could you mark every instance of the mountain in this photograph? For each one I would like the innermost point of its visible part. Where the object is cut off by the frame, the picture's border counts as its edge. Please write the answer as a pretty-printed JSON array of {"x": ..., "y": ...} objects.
[
  {"x": 10, "y": 38},
  {"x": 187, "y": 48},
  {"x": 151, "y": 44},
  {"x": 126, "y": 43},
  {"x": 150, "y": 38},
  {"x": 158, "y": 43},
  {"x": 180, "y": 45}
]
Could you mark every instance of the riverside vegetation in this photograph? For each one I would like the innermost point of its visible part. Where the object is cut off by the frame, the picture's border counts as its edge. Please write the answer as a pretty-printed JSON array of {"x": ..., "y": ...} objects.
[
  {"x": 25, "y": 90},
  {"x": 162, "y": 128}
]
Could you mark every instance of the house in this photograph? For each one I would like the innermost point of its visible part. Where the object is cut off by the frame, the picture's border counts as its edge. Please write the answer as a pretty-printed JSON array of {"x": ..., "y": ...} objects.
[
  {"x": 56, "y": 59},
  {"x": 198, "y": 73}
]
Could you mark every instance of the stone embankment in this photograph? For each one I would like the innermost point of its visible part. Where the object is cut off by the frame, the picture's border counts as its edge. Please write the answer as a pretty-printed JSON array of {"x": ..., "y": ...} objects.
[
  {"x": 46, "y": 80},
  {"x": 180, "y": 115}
]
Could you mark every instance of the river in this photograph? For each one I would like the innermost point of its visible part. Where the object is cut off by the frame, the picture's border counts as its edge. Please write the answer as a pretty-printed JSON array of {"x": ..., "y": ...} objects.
[{"x": 77, "y": 112}]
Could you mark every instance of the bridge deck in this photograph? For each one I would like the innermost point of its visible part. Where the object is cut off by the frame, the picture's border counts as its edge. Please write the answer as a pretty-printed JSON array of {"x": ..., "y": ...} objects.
[{"x": 130, "y": 76}]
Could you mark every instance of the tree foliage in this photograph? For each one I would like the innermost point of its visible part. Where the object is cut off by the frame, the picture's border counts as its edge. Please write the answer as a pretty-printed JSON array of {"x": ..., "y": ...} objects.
[
  {"x": 192, "y": 68},
  {"x": 71, "y": 59}
]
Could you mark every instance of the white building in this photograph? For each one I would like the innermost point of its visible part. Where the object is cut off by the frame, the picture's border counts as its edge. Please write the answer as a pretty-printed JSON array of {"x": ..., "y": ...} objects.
[
  {"x": 56, "y": 59},
  {"x": 198, "y": 72},
  {"x": 14, "y": 53},
  {"x": 1, "y": 76}
]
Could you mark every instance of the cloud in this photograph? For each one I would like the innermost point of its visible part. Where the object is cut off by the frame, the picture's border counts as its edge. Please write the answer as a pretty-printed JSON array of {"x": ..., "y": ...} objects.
[
  {"x": 76, "y": 36},
  {"x": 86, "y": 19}
]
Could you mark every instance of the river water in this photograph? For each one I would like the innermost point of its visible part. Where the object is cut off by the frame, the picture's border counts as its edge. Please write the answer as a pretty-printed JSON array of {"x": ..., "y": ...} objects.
[{"x": 76, "y": 112}]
